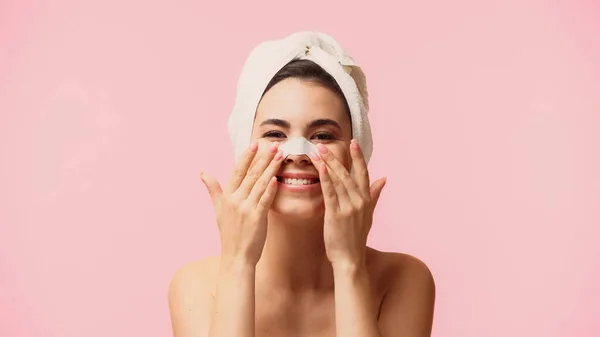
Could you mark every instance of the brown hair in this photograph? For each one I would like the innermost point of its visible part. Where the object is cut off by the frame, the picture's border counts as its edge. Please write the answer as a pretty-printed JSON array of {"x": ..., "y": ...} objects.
[{"x": 309, "y": 71}]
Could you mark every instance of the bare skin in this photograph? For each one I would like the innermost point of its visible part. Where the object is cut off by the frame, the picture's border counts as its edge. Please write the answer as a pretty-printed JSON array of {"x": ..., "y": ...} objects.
[{"x": 302, "y": 267}]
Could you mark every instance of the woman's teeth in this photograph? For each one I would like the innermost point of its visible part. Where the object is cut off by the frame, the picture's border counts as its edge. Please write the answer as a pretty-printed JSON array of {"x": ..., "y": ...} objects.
[{"x": 293, "y": 181}]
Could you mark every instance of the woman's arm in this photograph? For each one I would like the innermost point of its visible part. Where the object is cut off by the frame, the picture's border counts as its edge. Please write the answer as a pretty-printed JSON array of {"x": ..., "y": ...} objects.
[
  {"x": 233, "y": 313},
  {"x": 407, "y": 308},
  {"x": 355, "y": 310},
  {"x": 241, "y": 210},
  {"x": 207, "y": 301}
]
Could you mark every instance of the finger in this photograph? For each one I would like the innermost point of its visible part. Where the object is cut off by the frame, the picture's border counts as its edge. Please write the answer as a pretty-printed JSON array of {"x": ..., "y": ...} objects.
[
  {"x": 266, "y": 200},
  {"x": 241, "y": 167},
  {"x": 340, "y": 177},
  {"x": 213, "y": 187},
  {"x": 361, "y": 172},
  {"x": 261, "y": 185},
  {"x": 256, "y": 171},
  {"x": 375, "y": 191},
  {"x": 330, "y": 195}
]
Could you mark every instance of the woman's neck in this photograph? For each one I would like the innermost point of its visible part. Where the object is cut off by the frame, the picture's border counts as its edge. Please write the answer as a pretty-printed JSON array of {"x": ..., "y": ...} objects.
[{"x": 294, "y": 256}]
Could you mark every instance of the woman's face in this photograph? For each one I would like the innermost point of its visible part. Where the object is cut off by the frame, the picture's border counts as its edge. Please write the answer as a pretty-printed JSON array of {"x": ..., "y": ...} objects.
[{"x": 298, "y": 108}]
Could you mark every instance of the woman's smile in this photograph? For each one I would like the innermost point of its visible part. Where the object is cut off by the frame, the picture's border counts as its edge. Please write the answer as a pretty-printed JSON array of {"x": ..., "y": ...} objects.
[{"x": 298, "y": 181}]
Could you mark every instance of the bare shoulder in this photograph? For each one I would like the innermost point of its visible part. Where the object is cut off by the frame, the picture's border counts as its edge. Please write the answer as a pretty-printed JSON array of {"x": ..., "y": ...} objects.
[
  {"x": 191, "y": 296},
  {"x": 391, "y": 268},
  {"x": 408, "y": 290},
  {"x": 199, "y": 275}
]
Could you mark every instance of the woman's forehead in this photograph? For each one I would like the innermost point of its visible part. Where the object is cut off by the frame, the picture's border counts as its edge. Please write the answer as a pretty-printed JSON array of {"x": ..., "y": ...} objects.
[
  {"x": 295, "y": 116},
  {"x": 300, "y": 101}
]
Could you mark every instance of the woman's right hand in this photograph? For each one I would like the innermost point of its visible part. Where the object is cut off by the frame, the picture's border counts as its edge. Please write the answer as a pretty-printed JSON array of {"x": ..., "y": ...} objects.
[{"x": 241, "y": 209}]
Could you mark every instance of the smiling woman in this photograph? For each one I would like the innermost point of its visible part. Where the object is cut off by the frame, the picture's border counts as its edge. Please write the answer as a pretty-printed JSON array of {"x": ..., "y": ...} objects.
[{"x": 294, "y": 228}]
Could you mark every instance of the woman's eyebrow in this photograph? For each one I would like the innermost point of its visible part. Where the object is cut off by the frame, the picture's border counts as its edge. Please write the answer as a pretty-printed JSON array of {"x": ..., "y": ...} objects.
[
  {"x": 314, "y": 124},
  {"x": 276, "y": 122},
  {"x": 323, "y": 122}
]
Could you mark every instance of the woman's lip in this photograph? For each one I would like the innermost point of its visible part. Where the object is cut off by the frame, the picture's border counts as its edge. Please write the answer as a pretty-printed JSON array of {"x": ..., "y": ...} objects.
[
  {"x": 298, "y": 188},
  {"x": 298, "y": 176}
]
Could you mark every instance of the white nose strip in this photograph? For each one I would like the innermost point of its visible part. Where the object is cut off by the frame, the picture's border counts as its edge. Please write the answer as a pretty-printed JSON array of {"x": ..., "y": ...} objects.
[{"x": 298, "y": 146}]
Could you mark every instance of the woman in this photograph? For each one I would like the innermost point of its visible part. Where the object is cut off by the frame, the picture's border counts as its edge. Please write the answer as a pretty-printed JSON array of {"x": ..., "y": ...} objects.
[{"x": 294, "y": 260}]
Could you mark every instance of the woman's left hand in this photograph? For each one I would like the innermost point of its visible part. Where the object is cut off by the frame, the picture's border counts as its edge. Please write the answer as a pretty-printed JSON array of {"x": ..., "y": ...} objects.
[{"x": 349, "y": 205}]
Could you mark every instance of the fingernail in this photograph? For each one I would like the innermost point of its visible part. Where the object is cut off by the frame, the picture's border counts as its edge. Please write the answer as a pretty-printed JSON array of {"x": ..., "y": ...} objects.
[
  {"x": 278, "y": 156},
  {"x": 354, "y": 144},
  {"x": 275, "y": 147},
  {"x": 322, "y": 148}
]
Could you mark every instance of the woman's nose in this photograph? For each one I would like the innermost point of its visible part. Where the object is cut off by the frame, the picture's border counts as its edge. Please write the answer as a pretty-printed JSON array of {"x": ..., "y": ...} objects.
[{"x": 300, "y": 159}]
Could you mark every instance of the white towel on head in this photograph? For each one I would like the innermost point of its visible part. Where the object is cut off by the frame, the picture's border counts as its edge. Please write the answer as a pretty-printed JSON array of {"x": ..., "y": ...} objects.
[{"x": 269, "y": 57}]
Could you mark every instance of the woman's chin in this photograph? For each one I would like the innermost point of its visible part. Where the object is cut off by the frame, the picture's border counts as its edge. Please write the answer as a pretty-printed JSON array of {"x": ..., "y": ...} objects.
[{"x": 298, "y": 208}]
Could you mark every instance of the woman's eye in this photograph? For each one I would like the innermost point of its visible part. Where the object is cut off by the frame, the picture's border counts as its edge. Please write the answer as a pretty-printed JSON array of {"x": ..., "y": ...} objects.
[
  {"x": 323, "y": 136},
  {"x": 274, "y": 134}
]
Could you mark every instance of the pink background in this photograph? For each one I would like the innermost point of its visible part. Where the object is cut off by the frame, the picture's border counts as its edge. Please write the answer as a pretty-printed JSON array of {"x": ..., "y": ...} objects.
[{"x": 486, "y": 118}]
